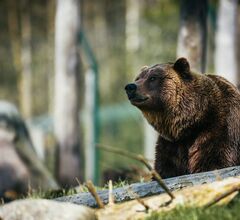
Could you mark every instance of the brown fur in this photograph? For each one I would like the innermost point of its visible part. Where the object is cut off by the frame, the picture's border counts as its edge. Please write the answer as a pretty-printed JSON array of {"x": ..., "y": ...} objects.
[{"x": 197, "y": 117}]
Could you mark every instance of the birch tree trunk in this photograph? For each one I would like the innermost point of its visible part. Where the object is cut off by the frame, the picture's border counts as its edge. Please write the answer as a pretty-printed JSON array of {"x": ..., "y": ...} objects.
[
  {"x": 192, "y": 36},
  {"x": 26, "y": 60},
  {"x": 238, "y": 46},
  {"x": 225, "y": 54},
  {"x": 132, "y": 25},
  {"x": 50, "y": 51},
  {"x": 133, "y": 9},
  {"x": 66, "y": 107}
]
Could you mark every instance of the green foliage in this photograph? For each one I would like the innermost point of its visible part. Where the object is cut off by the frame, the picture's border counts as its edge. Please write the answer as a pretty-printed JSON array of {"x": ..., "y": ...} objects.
[
  {"x": 124, "y": 134},
  {"x": 104, "y": 23},
  {"x": 159, "y": 28}
]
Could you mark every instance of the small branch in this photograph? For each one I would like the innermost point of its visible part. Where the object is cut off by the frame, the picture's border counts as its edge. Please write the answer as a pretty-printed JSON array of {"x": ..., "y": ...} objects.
[
  {"x": 80, "y": 186},
  {"x": 141, "y": 159},
  {"x": 110, "y": 195},
  {"x": 93, "y": 191},
  {"x": 139, "y": 200},
  {"x": 159, "y": 179},
  {"x": 143, "y": 204},
  {"x": 144, "y": 161},
  {"x": 137, "y": 157},
  {"x": 78, "y": 181},
  {"x": 222, "y": 196}
]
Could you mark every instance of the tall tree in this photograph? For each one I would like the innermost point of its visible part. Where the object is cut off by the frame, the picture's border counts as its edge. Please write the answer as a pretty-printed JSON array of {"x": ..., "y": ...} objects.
[
  {"x": 115, "y": 17},
  {"x": 67, "y": 80},
  {"x": 50, "y": 51},
  {"x": 192, "y": 37},
  {"x": 133, "y": 9},
  {"x": 14, "y": 34},
  {"x": 238, "y": 44},
  {"x": 226, "y": 54},
  {"x": 132, "y": 25},
  {"x": 26, "y": 60}
]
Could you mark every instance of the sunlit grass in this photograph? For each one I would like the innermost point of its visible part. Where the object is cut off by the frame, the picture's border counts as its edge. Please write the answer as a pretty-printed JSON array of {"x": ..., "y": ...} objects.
[
  {"x": 52, "y": 194},
  {"x": 228, "y": 212}
]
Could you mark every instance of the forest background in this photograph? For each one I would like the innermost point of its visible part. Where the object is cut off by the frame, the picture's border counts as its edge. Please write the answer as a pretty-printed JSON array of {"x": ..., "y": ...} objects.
[{"x": 123, "y": 36}]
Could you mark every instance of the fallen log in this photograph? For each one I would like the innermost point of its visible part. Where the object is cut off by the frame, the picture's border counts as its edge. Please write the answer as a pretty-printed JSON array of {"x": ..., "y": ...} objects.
[
  {"x": 191, "y": 198},
  {"x": 152, "y": 188}
]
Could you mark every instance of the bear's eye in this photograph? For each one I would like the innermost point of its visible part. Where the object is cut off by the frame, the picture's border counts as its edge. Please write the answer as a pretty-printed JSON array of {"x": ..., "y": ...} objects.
[{"x": 152, "y": 78}]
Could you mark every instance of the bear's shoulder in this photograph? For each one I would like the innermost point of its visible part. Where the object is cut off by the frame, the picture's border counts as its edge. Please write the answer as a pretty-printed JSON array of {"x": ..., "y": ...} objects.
[
  {"x": 226, "y": 87},
  {"x": 221, "y": 81}
]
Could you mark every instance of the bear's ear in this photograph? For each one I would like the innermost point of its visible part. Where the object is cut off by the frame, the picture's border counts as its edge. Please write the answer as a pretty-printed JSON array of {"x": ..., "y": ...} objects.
[
  {"x": 182, "y": 67},
  {"x": 143, "y": 68}
]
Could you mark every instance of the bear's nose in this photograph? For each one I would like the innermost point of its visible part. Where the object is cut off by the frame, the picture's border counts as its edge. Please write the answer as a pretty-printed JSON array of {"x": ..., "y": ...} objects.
[{"x": 131, "y": 88}]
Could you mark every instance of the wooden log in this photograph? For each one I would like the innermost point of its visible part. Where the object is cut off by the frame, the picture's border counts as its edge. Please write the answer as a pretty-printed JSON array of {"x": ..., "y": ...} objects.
[
  {"x": 192, "y": 198},
  {"x": 152, "y": 188}
]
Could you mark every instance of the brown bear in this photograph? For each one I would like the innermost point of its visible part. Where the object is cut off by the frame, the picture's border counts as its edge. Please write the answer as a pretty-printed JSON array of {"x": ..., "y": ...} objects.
[{"x": 197, "y": 117}]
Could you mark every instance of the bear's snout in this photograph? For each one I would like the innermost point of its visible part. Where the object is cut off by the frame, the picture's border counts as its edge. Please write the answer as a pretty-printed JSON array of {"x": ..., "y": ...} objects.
[{"x": 131, "y": 90}]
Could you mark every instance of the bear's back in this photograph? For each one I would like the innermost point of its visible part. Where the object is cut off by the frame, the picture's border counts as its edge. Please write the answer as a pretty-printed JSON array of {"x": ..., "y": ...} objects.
[
  {"x": 228, "y": 90},
  {"x": 231, "y": 102}
]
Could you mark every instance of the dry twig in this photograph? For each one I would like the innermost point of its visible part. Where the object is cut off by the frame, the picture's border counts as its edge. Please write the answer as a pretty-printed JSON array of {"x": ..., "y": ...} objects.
[
  {"x": 110, "y": 196},
  {"x": 141, "y": 159},
  {"x": 222, "y": 196},
  {"x": 146, "y": 206},
  {"x": 139, "y": 200},
  {"x": 137, "y": 157},
  {"x": 159, "y": 179},
  {"x": 93, "y": 191}
]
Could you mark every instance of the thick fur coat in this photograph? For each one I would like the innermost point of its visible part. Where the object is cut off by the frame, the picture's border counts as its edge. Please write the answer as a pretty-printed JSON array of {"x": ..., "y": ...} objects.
[{"x": 197, "y": 117}]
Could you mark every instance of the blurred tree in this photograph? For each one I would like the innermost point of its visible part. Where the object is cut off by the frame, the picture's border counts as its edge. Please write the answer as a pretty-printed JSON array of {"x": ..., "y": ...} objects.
[
  {"x": 50, "y": 51},
  {"x": 192, "y": 36},
  {"x": 14, "y": 33},
  {"x": 115, "y": 17},
  {"x": 67, "y": 81},
  {"x": 238, "y": 44},
  {"x": 132, "y": 25},
  {"x": 225, "y": 54},
  {"x": 26, "y": 60},
  {"x": 19, "y": 164}
]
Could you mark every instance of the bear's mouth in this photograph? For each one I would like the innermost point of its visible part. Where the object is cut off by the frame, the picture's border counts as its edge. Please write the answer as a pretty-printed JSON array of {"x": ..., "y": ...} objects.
[{"x": 138, "y": 100}]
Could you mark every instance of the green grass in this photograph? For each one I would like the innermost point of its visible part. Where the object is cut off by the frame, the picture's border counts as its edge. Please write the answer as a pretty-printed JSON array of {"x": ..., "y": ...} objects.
[
  {"x": 52, "y": 194},
  {"x": 119, "y": 183},
  {"x": 228, "y": 212}
]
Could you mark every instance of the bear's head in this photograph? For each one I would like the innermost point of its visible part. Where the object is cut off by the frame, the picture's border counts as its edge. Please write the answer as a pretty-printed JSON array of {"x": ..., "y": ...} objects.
[
  {"x": 167, "y": 95},
  {"x": 156, "y": 87}
]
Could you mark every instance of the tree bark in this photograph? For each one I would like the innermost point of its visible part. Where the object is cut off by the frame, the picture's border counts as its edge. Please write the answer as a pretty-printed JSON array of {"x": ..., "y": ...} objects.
[
  {"x": 152, "y": 188},
  {"x": 14, "y": 34},
  {"x": 238, "y": 46},
  {"x": 26, "y": 60},
  {"x": 132, "y": 25},
  {"x": 67, "y": 79},
  {"x": 50, "y": 51},
  {"x": 192, "y": 38},
  {"x": 225, "y": 54}
]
